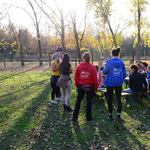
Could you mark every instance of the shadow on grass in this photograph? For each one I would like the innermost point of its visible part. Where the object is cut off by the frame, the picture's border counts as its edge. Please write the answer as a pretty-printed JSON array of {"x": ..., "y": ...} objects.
[
  {"x": 19, "y": 133},
  {"x": 8, "y": 99},
  {"x": 14, "y": 74}
]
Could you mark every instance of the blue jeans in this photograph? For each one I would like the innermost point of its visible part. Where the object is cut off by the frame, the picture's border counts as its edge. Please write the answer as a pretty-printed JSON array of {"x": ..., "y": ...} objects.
[{"x": 132, "y": 97}]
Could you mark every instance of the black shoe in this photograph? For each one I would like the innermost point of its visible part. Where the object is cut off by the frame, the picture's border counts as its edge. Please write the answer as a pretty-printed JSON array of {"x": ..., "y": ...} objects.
[
  {"x": 90, "y": 119},
  {"x": 110, "y": 118},
  {"x": 118, "y": 118},
  {"x": 74, "y": 120},
  {"x": 69, "y": 109},
  {"x": 64, "y": 107}
]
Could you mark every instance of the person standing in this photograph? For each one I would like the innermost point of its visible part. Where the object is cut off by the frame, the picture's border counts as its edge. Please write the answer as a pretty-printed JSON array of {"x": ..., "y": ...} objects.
[
  {"x": 54, "y": 78},
  {"x": 65, "y": 81},
  {"x": 116, "y": 72},
  {"x": 86, "y": 82},
  {"x": 60, "y": 51}
]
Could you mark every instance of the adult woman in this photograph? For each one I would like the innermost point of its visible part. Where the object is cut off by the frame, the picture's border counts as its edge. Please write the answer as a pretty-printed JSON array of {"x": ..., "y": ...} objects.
[
  {"x": 86, "y": 82},
  {"x": 116, "y": 72},
  {"x": 54, "y": 78},
  {"x": 65, "y": 81}
]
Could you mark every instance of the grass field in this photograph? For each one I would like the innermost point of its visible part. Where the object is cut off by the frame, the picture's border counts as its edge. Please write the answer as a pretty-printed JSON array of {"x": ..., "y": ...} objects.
[{"x": 28, "y": 120}]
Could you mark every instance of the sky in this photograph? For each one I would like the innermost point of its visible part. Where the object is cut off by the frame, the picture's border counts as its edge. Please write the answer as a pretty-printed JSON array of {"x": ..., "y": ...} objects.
[{"x": 20, "y": 17}]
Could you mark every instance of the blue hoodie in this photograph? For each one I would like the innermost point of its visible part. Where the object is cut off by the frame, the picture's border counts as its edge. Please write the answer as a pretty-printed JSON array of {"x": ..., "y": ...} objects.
[{"x": 115, "y": 71}]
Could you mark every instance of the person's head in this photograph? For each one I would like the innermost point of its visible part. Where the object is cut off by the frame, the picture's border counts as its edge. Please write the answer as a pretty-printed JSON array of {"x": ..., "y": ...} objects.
[
  {"x": 65, "y": 59},
  {"x": 60, "y": 51},
  {"x": 97, "y": 68},
  {"x": 55, "y": 56},
  {"x": 133, "y": 68},
  {"x": 144, "y": 74},
  {"x": 115, "y": 52},
  {"x": 138, "y": 64},
  {"x": 144, "y": 64},
  {"x": 86, "y": 57},
  {"x": 148, "y": 68},
  {"x": 131, "y": 62}
]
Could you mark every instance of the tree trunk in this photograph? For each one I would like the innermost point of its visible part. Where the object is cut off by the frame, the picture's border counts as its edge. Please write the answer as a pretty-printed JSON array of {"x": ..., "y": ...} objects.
[
  {"x": 139, "y": 34},
  {"x": 21, "y": 53},
  {"x": 38, "y": 34},
  {"x": 63, "y": 32}
]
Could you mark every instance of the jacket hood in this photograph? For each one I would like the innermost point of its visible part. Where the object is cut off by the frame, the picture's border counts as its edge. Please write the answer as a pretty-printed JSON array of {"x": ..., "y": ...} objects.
[
  {"x": 115, "y": 62},
  {"x": 85, "y": 65}
]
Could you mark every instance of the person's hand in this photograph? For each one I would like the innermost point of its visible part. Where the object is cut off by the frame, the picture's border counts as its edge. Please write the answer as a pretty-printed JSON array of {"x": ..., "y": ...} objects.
[{"x": 77, "y": 89}]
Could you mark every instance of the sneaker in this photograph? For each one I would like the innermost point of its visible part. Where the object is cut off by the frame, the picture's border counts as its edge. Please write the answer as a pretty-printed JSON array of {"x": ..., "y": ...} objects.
[
  {"x": 74, "y": 120},
  {"x": 58, "y": 99},
  {"x": 110, "y": 118},
  {"x": 69, "y": 109},
  {"x": 53, "y": 102}
]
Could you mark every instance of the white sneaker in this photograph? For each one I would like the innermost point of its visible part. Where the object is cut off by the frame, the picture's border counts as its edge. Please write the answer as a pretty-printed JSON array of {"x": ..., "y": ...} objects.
[
  {"x": 58, "y": 99},
  {"x": 54, "y": 102}
]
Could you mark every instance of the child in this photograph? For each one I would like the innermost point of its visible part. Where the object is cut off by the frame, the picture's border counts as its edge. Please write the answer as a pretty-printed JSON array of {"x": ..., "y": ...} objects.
[
  {"x": 144, "y": 67},
  {"x": 99, "y": 77},
  {"x": 138, "y": 64},
  {"x": 145, "y": 76},
  {"x": 54, "y": 78}
]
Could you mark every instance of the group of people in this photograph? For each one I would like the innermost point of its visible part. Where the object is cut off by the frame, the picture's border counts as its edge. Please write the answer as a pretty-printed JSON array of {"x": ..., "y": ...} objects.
[
  {"x": 87, "y": 80},
  {"x": 139, "y": 79}
]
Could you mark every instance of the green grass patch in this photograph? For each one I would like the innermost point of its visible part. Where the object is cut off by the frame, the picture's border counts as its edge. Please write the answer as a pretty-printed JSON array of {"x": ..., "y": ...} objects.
[{"x": 28, "y": 120}]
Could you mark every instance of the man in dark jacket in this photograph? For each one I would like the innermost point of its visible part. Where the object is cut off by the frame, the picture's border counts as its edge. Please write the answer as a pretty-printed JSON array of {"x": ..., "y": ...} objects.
[{"x": 137, "y": 84}]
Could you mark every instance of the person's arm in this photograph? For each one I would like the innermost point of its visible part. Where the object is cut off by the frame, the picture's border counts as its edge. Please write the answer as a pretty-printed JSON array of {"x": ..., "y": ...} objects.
[
  {"x": 106, "y": 69},
  {"x": 76, "y": 77},
  {"x": 54, "y": 67},
  {"x": 124, "y": 72},
  {"x": 70, "y": 70},
  {"x": 100, "y": 79},
  {"x": 130, "y": 82},
  {"x": 145, "y": 85},
  {"x": 95, "y": 79}
]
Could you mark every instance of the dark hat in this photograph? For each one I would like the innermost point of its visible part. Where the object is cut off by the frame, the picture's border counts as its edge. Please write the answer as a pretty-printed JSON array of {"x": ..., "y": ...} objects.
[
  {"x": 59, "y": 49},
  {"x": 145, "y": 64}
]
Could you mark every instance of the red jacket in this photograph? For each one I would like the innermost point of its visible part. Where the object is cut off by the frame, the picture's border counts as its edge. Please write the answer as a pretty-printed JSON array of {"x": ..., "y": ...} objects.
[
  {"x": 86, "y": 74},
  {"x": 100, "y": 79}
]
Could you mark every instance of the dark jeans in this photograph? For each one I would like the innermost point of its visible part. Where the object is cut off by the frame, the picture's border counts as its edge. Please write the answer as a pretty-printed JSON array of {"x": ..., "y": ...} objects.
[
  {"x": 89, "y": 96},
  {"x": 118, "y": 91},
  {"x": 55, "y": 89}
]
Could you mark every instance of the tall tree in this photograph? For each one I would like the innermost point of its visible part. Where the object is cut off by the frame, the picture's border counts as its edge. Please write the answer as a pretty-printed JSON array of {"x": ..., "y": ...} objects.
[
  {"x": 56, "y": 20},
  {"x": 137, "y": 9},
  {"x": 36, "y": 24},
  {"x": 79, "y": 34},
  {"x": 103, "y": 11}
]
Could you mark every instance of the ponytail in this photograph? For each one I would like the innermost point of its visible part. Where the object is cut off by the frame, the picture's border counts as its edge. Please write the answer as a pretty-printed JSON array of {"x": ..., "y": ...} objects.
[{"x": 87, "y": 57}]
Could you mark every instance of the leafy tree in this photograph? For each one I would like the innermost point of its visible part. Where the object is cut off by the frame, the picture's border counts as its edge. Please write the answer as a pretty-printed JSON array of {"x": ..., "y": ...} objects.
[{"x": 137, "y": 10}]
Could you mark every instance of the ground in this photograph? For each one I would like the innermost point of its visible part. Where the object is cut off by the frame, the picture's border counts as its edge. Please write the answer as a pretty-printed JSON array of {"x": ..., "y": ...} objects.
[{"x": 28, "y": 120}]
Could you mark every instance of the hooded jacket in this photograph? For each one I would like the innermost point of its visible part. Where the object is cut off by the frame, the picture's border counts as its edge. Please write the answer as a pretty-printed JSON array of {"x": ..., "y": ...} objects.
[
  {"x": 115, "y": 71},
  {"x": 86, "y": 74}
]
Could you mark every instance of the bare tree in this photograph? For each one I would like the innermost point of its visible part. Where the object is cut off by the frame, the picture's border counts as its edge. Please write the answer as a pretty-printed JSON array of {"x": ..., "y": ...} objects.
[
  {"x": 57, "y": 21},
  {"x": 79, "y": 35},
  {"x": 36, "y": 24}
]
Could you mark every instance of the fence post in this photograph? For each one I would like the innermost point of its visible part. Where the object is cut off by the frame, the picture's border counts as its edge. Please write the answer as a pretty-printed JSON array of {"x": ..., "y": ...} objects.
[
  {"x": 49, "y": 59},
  {"x": 75, "y": 58},
  {"x": 133, "y": 55},
  {"x": 92, "y": 57}
]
